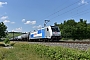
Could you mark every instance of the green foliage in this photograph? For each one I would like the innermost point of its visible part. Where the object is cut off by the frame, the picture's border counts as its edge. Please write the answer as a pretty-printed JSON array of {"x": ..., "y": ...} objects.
[
  {"x": 20, "y": 51},
  {"x": 2, "y": 30},
  {"x": 25, "y": 51},
  {"x": 75, "y": 30},
  {"x": 7, "y": 41},
  {"x": 60, "y": 53},
  {"x": 2, "y": 53}
]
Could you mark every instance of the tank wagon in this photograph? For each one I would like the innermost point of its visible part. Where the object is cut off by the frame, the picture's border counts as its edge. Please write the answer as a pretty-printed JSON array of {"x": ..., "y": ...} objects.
[
  {"x": 25, "y": 37},
  {"x": 19, "y": 38},
  {"x": 48, "y": 33}
]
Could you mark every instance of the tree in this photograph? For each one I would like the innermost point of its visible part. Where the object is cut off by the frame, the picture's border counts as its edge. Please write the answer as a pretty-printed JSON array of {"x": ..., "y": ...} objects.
[
  {"x": 81, "y": 29},
  {"x": 2, "y": 30},
  {"x": 75, "y": 30},
  {"x": 68, "y": 28}
]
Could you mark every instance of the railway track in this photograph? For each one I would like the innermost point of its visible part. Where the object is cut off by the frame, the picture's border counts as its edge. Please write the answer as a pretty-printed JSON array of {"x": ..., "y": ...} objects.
[
  {"x": 79, "y": 42},
  {"x": 82, "y": 45}
]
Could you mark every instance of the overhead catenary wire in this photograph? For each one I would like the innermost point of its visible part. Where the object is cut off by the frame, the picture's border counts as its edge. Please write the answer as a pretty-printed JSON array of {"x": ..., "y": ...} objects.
[
  {"x": 81, "y": 12},
  {"x": 68, "y": 11},
  {"x": 63, "y": 9},
  {"x": 61, "y": 5}
]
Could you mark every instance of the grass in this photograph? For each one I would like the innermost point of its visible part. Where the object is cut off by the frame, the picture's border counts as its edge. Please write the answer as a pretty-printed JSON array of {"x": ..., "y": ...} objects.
[
  {"x": 1, "y": 44},
  {"x": 27, "y": 51},
  {"x": 20, "y": 51}
]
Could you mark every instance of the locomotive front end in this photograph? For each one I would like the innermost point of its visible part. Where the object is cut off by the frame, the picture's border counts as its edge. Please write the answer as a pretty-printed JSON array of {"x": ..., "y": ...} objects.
[{"x": 56, "y": 33}]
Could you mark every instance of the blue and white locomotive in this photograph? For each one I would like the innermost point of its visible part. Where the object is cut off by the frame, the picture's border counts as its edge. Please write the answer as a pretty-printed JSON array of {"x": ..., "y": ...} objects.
[{"x": 47, "y": 33}]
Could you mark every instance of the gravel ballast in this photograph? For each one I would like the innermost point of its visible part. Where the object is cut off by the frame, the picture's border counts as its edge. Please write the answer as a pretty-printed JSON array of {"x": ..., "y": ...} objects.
[{"x": 80, "y": 46}]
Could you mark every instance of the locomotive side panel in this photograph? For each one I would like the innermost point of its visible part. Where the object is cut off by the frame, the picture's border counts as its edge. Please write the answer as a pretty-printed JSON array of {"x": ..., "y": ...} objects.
[
  {"x": 48, "y": 32},
  {"x": 43, "y": 33},
  {"x": 38, "y": 34}
]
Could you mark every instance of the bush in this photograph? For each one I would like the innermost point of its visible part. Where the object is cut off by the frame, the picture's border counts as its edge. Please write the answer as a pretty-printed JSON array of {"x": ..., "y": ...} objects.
[
  {"x": 7, "y": 41},
  {"x": 60, "y": 53}
]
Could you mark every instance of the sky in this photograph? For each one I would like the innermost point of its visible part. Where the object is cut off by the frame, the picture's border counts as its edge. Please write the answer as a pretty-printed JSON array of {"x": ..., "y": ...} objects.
[{"x": 29, "y": 15}]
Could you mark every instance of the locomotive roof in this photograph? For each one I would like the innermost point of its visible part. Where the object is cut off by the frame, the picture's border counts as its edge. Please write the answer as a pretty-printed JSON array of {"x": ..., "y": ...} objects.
[{"x": 42, "y": 28}]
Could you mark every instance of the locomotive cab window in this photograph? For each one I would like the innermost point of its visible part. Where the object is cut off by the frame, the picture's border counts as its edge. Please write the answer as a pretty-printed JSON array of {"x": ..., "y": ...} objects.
[{"x": 55, "y": 29}]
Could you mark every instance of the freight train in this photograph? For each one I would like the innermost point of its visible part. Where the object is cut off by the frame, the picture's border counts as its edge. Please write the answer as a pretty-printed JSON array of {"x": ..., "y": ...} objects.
[{"x": 48, "y": 33}]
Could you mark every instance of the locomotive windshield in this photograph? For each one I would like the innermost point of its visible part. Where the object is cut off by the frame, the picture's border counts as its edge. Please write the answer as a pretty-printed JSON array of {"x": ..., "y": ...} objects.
[{"x": 55, "y": 29}]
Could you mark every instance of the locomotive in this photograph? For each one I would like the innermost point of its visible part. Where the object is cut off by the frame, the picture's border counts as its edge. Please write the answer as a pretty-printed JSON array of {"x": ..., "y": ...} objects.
[{"x": 47, "y": 33}]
